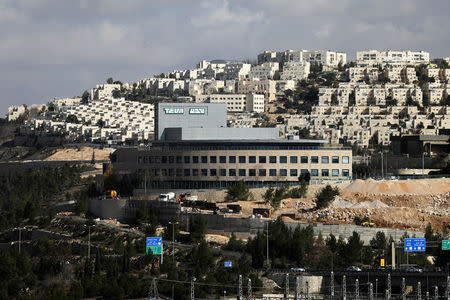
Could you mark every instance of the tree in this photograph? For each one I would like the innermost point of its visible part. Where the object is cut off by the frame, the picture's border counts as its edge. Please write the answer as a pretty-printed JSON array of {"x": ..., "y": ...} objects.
[
  {"x": 379, "y": 241},
  {"x": 198, "y": 229},
  {"x": 306, "y": 177},
  {"x": 72, "y": 119},
  {"x": 238, "y": 191},
  {"x": 110, "y": 80},
  {"x": 100, "y": 123},
  {"x": 325, "y": 196},
  {"x": 353, "y": 249},
  {"x": 299, "y": 192},
  {"x": 85, "y": 97},
  {"x": 116, "y": 94}
]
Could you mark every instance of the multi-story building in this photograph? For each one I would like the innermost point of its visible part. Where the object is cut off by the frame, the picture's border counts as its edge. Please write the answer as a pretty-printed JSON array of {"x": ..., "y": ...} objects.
[
  {"x": 196, "y": 150},
  {"x": 265, "y": 87},
  {"x": 374, "y": 57},
  {"x": 264, "y": 71},
  {"x": 103, "y": 91},
  {"x": 236, "y": 102},
  {"x": 295, "y": 70}
]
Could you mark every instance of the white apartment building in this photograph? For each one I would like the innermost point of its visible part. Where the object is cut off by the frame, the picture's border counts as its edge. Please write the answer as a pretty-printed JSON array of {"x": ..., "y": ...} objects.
[
  {"x": 394, "y": 74},
  {"x": 233, "y": 71},
  {"x": 264, "y": 71},
  {"x": 236, "y": 102},
  {"x": 252, "y": 86},
  {"x": 434, "y": 73},
  {"x": 14, "y": 112},
  {"x": 326, "y": 58},
  {"x": 375, "y": 57},
  {"x": 103, "y": 91},
  {"x": 295, "y": 71}
]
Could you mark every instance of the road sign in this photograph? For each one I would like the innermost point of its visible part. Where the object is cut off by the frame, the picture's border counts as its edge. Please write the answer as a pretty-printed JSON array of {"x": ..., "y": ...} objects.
[
  {"x": 414, "y": 245},
  {"x": 445, "y": 244},
  {"x": 382, "y": 262},
  {"x": 228, "y": 264},
  {"x": 154, "y": 244}
]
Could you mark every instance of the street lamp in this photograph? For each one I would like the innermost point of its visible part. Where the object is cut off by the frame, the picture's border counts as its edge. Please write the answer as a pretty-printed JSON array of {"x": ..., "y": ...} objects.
[
  {"x": 89, "y": 240},
  {"x": 173, "y": 239}
]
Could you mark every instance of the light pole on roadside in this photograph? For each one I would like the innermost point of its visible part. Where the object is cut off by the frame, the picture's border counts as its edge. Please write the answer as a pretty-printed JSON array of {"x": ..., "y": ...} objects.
[{"x": 173, "y": 239}]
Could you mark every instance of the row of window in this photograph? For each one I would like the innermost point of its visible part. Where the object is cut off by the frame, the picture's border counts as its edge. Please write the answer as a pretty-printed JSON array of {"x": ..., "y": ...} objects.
[
  {"x": 242, "y": 159},
  {"x": 249, "y": 172}
]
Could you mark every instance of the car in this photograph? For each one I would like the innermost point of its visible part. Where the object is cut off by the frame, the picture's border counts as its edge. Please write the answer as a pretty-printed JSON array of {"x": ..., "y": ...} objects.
[
  {"x": 414, "y": 269},
  {"x": 298, "y": 269},
  {"x": 354, "y": 269}
]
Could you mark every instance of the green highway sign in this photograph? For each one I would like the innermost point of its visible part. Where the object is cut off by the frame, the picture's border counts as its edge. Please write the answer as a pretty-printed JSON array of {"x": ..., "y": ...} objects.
[
  {"x": 445, "y": 244},
  {"x": 154, "y": 244}
]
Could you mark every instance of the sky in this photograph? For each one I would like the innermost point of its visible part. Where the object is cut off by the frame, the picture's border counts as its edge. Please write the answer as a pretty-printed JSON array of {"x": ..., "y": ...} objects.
[{"x": 59, "y": 48}]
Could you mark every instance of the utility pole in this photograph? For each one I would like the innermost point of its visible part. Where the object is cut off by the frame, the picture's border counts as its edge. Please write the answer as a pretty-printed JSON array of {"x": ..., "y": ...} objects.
[
  {"x": 389, "y": 284},
  {"x": 356, "y": 289},
  {"x": 193, "y": 288},
  {"x": 382, "y": 174},
  {"x": 344, "y": 288},
  {"x": 332, "y": 284},
  {"x": 267, "y": 245},
  {"x": 403, "y": 289},
  {"x": 20, "y": 237},
  {"x": 419, "y": 291},
  {"x": 370, "y": 291},
  {"x": 436, "y": 293},
  {"x": 249, "y": 290},
  {"x": 240, "y": 293},
  {"x": 393, "y": 255},
  {"x": 307, "y": 290},
  {"x": 173, "y": 239},
  {"x": 297, "y": 288},
  {"x": 286, "y": 286}
]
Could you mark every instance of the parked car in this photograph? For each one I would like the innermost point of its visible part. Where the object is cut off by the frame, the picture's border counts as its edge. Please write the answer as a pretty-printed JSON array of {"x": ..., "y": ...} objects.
[
  {"x": 414, "y": 269},
  {"x": 354, "y": 269},
  {"x": 298, "y": 269}
]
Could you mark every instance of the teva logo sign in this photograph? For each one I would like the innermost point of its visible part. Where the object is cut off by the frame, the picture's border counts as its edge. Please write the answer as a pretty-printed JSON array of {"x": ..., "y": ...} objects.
[
  {"x": 197, "y": 111},
  {"x": 174, "y": 111}
]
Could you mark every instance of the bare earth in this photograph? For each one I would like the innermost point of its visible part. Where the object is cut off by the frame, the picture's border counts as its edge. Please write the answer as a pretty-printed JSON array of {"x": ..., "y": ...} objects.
[
  {"x": 408, "y": 204},
  {"x": 77, "y": 154}
]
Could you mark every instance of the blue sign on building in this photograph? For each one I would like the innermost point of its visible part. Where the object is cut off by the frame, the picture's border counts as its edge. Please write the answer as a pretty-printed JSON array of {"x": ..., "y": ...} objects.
[
  {"x": 412, "y": 245},
  {"x": 228, "y": 264}
]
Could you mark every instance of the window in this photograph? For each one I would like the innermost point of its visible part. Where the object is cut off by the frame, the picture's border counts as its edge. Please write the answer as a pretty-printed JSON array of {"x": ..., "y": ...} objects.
[
  {"x": 304, "y": 171},
  {"x": 314, "y": 159},
  {"x": 232, "y": 172},
  {"x": 242, "y": 159},
  {"x": 212, "y": 172},
  {"x": 262, "y": 159},
  {"x": 262, "y": 172},
  {"x": 252, "y": 172},
  {"x": 164, "y": 159},
  {"x": 293, "y": 172},
  {"x": 194, "y": 172},
  {"x": 283, "y": 172},
  {"x": 293, "y": 159},
  {"x": 232, "y": 159},
  {"x": 171, "y": 159},
  {"x": 345, "y": 159},
  {"x": 164, "y": 172},
  {"x": 272, "y": 172},
  {"x": 179, "y": 159},
  {"x": 283, "y": 159},
  {"x": 345, "y": 172},
  {"x": 325, "y": 159},
  {"x": 157, "y": 159},
  {"x": 204, "y": 172},
  {"x": 252, "y": 159},
  {"x": 187, "y": 159},
  {"x": 304, "y": 159},
  {"x": 335, "y": 172},
  {"x": 178, "y": 172},
  {"x": 223, "y": 159},
  {"x": 204, "y": 159},
  {"x": 325, "y": 173},
  {"x": 223, "y": 172},
  {"x": 314, "y": 172},
  {"x": 187, "y": 172},
  {"x": 195, "y": 159},
  {"x": 335, "y": 159},
  {"x": 273, "y": 159},
  {"x": 242, "y": 172}
]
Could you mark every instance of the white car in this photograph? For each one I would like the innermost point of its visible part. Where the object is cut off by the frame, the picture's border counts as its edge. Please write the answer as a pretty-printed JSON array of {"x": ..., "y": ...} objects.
[
  {"x": 354, "y": 269},
  {"x": 298, "y": 269}
]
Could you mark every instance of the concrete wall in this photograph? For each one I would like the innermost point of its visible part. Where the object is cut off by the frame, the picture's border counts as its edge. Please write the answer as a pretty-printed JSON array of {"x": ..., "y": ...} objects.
[{"x": 253, "y": 226}]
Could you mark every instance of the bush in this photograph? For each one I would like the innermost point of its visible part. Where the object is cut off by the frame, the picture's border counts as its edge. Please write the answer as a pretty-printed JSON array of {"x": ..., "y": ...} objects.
[
  {"x": 239, "y": 191},
  {"x": 326, "y": 195},
  {"x": 299, "y": 192}
]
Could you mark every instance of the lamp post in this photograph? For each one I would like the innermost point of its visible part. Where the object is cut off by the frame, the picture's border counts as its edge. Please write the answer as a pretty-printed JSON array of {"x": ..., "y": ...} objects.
[{"x": 173, "y": 239}]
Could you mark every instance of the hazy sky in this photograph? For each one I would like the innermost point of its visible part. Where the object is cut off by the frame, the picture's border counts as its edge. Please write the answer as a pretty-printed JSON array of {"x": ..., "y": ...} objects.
[{"x": 59, "y": 48}]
